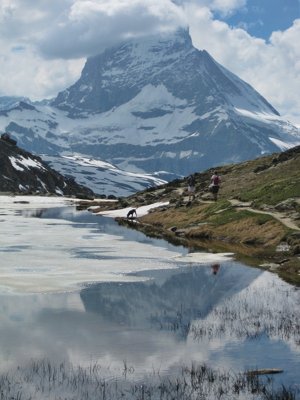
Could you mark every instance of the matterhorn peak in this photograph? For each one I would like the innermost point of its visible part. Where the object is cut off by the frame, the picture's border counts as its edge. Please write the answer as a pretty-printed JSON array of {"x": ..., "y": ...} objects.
[{"x": 154, "y": 105}]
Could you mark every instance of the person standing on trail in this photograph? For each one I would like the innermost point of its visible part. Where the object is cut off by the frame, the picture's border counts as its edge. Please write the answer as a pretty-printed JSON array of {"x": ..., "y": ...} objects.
[
  {"x": 215, "y": 185},
  {"x": 191, "y": 187}
]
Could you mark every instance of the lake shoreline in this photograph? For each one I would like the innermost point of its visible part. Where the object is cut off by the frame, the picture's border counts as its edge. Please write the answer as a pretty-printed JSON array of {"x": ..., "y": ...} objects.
[
  {"x": 282, "y": 263},
  {"x": 255, "y": 238},
  {"x": 158, "y": 221}
]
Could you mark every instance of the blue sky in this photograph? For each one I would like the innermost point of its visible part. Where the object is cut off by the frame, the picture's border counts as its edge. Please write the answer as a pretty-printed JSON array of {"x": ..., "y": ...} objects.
[
  {"x": 44, "y": 44},
  {"x": 261, "y": 17}
]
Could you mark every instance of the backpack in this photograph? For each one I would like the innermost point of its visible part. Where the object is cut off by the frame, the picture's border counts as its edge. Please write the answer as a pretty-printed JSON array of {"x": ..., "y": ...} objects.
[{"x": 216, "y": 180}]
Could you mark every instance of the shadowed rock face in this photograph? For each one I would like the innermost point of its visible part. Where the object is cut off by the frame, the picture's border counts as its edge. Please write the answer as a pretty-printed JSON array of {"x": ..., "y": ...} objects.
[{"x": 22, "y": 172}]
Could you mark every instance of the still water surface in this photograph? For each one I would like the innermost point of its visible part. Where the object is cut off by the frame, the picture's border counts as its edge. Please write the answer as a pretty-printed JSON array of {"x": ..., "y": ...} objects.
[{"x": 153, "y": 314}]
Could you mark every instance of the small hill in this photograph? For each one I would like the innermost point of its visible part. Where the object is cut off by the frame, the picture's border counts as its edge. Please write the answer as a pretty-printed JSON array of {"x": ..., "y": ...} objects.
[
  {"x": 22, "y": 172},
  {"x": 257, "y": 214}
]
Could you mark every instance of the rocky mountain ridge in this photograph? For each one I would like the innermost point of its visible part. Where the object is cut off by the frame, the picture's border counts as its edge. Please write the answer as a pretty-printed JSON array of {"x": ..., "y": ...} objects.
[{"x": 22, "y": 172}]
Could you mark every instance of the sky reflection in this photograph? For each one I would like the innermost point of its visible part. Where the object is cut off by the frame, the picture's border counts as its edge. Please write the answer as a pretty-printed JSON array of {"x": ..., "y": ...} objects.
[{"x": 155, "y": 307}]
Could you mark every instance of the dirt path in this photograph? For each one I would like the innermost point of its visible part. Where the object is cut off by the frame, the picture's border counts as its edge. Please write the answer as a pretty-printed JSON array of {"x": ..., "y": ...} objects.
[{"x": 281, "y": 217}]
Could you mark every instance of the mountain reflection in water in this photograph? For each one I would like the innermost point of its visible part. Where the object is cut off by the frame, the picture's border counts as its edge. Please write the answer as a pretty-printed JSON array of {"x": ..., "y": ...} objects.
[
  {"x": 168, "y": 299},
  {"x": 240, "y": 318},
  {"x": 228, "y": 315}
]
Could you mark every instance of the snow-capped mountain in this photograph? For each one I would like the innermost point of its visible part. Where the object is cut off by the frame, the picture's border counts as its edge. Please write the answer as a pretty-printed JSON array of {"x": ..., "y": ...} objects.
[{"x": 150, "y": 105}]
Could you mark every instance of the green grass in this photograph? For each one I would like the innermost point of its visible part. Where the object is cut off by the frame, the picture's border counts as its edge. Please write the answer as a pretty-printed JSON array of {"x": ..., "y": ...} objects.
[
  {"x": 274, "y": 192},
  {"x": 217, "y": 206},
  {"x": 228, "y": 216}
]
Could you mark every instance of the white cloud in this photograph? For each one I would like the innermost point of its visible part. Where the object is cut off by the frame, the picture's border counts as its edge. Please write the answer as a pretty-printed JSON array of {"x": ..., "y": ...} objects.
[
  {"x": 227, "y": 7},
  {"x": 25, "y": 73},
  {"x": 272, "y": 68},
  {"x": 43, "y": 43},
  {"x": 91, "y": 25}
]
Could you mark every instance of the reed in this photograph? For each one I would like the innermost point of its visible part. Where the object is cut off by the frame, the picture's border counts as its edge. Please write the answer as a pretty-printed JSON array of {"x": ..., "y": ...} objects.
[{"x": 45, "y": 380}]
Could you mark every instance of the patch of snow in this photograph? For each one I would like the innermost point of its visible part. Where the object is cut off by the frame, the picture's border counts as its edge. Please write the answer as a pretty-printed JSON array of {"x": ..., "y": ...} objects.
[
  {"x": 100, "y": 176},
  {"x": 80, "y": 160},
  {"x": 26, "y": 162},
  {"x": 42, "y": 184},
  {"x": 58, "y": 191},
  {"x": 6, "y": 177},
  {"x": 22, "y": 188},
  {"x": 283, "y": 145},
  {"x": 258, "y": 115},
  {"x": 124, "y": 124},
  {"x": 185, "y": 154},
  {"x": 84, "y": 88},
  {"x": 16, "y": 166},
  {"x": 141, "y": 211}
]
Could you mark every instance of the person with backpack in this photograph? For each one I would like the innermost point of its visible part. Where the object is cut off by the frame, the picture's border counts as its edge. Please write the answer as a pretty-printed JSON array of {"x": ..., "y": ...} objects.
[
  {"x": 215, "y": 185},
  {"x": 191, "y": 187}
]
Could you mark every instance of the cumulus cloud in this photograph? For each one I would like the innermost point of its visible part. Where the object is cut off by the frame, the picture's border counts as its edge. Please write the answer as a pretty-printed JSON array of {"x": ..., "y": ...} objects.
[
  {"x": 25, "y": 73},
  {"x": 80, "y": 28},
  {"x": 272, "y": 68},
  {"x": 43, "y": 43},
  {"x": 89, "y": 26}
]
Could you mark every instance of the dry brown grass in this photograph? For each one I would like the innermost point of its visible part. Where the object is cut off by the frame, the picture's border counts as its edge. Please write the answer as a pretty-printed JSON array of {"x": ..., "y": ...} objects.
[
  {"x": 246, "y": 230},
  {"x": 182, "y": 217},
  {"x": 249, "y": 231}
]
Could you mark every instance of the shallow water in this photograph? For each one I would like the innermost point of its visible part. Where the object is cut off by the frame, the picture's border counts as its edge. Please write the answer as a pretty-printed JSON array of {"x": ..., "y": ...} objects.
[{"x": 77, "y": 287}]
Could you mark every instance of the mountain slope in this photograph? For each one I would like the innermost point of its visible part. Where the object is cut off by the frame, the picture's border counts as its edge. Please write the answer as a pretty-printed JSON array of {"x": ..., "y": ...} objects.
[
  {"x": 119, "y": 74},
  {"x": 177, "y": 103},
  {"x": 22, "y": 172},
  {"x": 153, "y": 105}
]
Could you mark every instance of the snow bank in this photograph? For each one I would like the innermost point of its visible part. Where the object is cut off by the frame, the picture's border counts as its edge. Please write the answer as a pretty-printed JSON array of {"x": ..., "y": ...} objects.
[{"x": 141, "y": 211}]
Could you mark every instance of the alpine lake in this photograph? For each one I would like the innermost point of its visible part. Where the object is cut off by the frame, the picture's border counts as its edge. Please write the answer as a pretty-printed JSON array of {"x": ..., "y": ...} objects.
[{"x": 93, "y": 310}]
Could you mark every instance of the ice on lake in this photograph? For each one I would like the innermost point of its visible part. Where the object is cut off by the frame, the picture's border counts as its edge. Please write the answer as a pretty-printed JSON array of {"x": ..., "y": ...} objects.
[{"x": 46, "y": 247}]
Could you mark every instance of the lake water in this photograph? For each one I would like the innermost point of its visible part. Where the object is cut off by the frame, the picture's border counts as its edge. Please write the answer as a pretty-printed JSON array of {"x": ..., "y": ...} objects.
[{"x": 79, "y": 288}]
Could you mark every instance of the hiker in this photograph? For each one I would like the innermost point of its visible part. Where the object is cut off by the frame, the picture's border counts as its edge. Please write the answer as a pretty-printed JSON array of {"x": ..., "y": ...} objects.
[
  {"x": 191, "y": 187},
  {"x": 131, "y": 213},
  {"x": 215, "y": 185}
]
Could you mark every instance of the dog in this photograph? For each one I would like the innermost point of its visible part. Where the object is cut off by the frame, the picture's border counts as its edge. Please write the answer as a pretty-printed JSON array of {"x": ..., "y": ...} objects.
[{"x": 131, "y": 213}]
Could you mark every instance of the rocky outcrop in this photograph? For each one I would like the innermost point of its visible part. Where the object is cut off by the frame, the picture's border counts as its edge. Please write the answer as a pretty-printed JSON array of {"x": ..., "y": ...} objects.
[{"x": 22, "y": 172}]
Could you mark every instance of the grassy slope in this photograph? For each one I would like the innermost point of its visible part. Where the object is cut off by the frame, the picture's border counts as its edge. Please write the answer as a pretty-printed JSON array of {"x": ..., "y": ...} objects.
[{"x": 267, "y": 184}]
